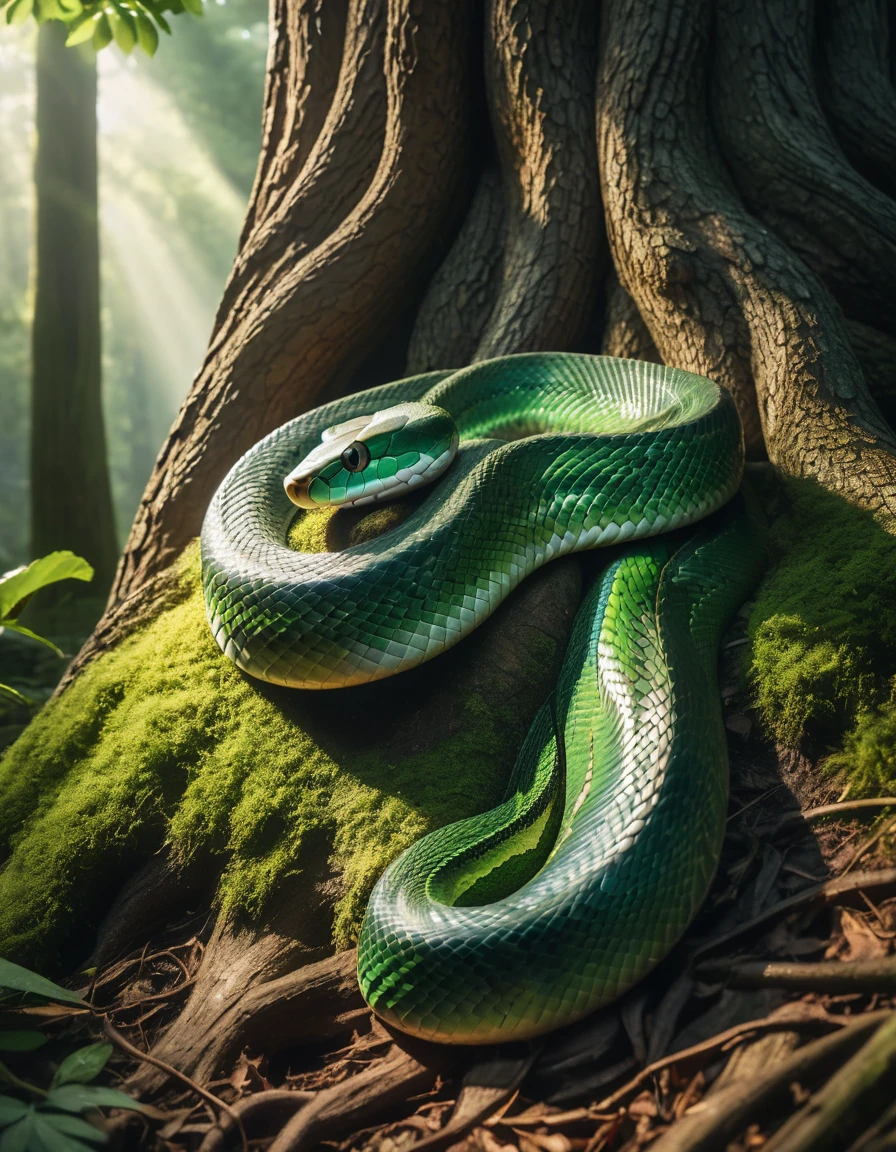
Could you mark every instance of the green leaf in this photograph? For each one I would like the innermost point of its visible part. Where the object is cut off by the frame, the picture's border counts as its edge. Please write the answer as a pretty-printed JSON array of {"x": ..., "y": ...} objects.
[
  {"x": 147, "y": 37},
  {"x": 19, "y": 1137},
  {"x": 11, "y": 1110},
  {"x": 162, "y": 22},
  {"x": 5, "y": 690},
  {"x": 45, "y": 10},
  {"x": 48, "y": 1138},
  {"x": 19, "y": 11},
  {"x": 102, "y": 32},
  {"x": 16, "y": 1041},
  {"x": 81, "y": 1097},
  {"x": 71, "y": 8},
  {"x": 83, "y": 1065},
  {"x": 194, "y": 6},
  {"x": 18, "y": 586},
  {"x": 15, "y": 626},
  {"x": 20, "y": 979},
  {"x": 123, "y": 29},
  {"x": 82, "y": 32},
  {"x": 73, "y": 1126}
]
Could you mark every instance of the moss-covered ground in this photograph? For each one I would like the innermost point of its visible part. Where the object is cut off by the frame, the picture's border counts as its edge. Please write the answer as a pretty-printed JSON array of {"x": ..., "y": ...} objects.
[
  {"x": 162, "y": 740},
  {"x": 823, "y": 633}
]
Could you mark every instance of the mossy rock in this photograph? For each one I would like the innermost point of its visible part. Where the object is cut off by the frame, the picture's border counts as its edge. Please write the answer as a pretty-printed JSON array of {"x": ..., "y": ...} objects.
[{"x": 163, "y": 741}]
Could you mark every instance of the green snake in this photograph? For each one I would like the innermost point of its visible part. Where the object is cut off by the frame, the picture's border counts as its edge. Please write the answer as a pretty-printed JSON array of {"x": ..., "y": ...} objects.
[{"x": 552, "y": 904}]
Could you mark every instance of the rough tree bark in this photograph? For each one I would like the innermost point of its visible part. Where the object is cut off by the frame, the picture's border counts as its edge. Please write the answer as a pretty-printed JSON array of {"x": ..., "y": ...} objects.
[{"x": 752, "y": 237}]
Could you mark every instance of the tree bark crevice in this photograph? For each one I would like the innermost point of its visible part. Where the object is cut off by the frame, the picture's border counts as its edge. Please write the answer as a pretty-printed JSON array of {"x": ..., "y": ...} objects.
[{"x": 721, "y": 295}]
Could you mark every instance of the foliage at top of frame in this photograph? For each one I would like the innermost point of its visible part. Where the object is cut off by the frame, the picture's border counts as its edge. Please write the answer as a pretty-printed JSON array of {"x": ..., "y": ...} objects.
[{"x": 130, "y": 23}]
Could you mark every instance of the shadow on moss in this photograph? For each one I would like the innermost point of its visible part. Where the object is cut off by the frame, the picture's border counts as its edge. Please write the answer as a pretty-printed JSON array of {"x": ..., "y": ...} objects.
[{"x": 823, "y": 632}]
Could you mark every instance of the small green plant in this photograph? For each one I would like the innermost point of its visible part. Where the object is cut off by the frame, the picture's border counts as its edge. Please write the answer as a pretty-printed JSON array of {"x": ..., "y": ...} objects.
[
  {"x": 17, "y": 588},
  {"x": 60, "y": 1117}
]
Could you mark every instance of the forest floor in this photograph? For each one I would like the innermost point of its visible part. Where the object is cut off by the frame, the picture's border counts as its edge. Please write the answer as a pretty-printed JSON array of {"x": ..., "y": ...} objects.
[{"x": 784, "y": 976}]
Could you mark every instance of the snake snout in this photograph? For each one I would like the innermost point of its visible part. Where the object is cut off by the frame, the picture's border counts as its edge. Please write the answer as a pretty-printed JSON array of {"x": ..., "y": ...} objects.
[{"x": 296, "y": 488}]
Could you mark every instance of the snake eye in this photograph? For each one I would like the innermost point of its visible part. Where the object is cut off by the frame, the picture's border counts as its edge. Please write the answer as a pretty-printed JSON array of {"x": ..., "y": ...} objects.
[{"x": 356, "y": 457}]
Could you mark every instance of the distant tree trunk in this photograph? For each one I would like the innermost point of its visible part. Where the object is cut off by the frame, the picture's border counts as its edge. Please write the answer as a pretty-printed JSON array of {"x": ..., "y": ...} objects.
[{"x": 71, "y": 501}]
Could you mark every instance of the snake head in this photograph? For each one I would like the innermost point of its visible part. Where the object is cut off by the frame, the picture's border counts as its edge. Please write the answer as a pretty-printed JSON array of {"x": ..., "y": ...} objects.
[{"x": 375, "y": 458}]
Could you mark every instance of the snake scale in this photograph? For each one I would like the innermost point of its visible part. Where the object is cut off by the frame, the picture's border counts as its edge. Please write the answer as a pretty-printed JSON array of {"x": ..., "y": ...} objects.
[{"x": 555, "y": 902}]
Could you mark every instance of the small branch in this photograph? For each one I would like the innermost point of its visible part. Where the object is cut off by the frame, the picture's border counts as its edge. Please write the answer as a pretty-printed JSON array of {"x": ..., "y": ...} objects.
[
  {"x": 826, "y": 894},
  {"x": 339, "y": 1110},
  {"x": 869, "y": 843},
  {"x": 719, "y": 1116},
  {"x": 276, "y": 1104},
  {"x": 699, "y": 1055},
  {"x": 831, "y": 976},
  {"x": 487, "y": 1086},
  {"x": 8, "y": 1077},
  {"x": 126, "y": 1046},
  {"x": 853, "y": 1095},
  {"x": 849, "y": 806}
]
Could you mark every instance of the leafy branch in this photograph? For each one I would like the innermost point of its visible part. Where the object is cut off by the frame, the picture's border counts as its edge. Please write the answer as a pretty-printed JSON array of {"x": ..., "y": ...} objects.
[{"x": 130, "y": 23}]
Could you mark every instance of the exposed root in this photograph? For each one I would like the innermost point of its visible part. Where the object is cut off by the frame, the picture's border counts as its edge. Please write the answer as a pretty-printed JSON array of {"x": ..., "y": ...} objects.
[
  {"x": 455, "y": 310},
  {"x": 487, "y": 1086},
  {"x": 786, "y": 162},
  {"x": 625, "y": 333},
  {"x": 264, "y": 1110},
  {"x": 216, "y": 1103},
  {"x": 336, "y": 1111},
  {"x": 720, "y": 294},
  {"x": 856, "y": 87},
  {"x": 870, "y": 976}
]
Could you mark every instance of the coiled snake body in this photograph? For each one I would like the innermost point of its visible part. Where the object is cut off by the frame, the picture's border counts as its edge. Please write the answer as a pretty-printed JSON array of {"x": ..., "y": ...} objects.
[{"x": 535, "y": 913}]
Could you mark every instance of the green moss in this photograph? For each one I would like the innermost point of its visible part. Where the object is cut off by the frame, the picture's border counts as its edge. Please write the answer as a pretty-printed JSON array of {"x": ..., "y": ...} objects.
[
  {"x": 163, "y": 740},
  {"x": 868, "y": 759},
  {"x": 823, "y": 628},
  {"x": 308, "y": 531}
]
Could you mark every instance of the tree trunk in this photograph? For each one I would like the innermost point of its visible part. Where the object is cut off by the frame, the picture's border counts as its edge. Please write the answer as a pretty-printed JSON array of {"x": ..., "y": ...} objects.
[
  {"x": 71, "y": 500},
  {"x": 438, "y": 184}
]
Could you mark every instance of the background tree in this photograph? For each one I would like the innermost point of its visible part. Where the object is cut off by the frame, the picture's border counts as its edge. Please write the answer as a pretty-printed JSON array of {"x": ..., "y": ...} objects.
[
  {"x": 429, "y": 193},
  {"x": 71, "y": 498}
]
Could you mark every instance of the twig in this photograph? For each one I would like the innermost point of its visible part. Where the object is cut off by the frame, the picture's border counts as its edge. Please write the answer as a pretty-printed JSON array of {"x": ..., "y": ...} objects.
[
  {"x": 830, "y": 976},
  {"x": 489, "y": 1086},
  {"x": 849, "y": 806},
  {"x": 833, "y": 1114},
  {"x": 700, "y": 1054},
  {"x": 756, "y": 800},
  {"x": 823, "y": 894},
  {"x": 278, "y": 1102},
  {"x": 719, "y": 1116},
  {"x": 341, "y": 1109},
  {"x": 145, "y": 1057},
  {"x": 156, "y": 996},
  {"x": 869, "y": 843}
]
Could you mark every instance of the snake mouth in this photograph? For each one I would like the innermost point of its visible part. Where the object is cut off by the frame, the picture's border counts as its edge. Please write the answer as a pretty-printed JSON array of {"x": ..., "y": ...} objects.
[{"x": 297, "y": 491}]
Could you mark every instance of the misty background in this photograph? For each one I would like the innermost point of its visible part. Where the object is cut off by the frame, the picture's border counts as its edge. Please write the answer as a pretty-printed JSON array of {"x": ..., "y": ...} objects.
[{"x": 179, "y": 136}]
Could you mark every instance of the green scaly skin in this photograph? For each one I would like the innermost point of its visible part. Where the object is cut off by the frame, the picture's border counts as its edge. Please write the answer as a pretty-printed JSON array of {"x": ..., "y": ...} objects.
[{"x": 531, "y": 915}]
